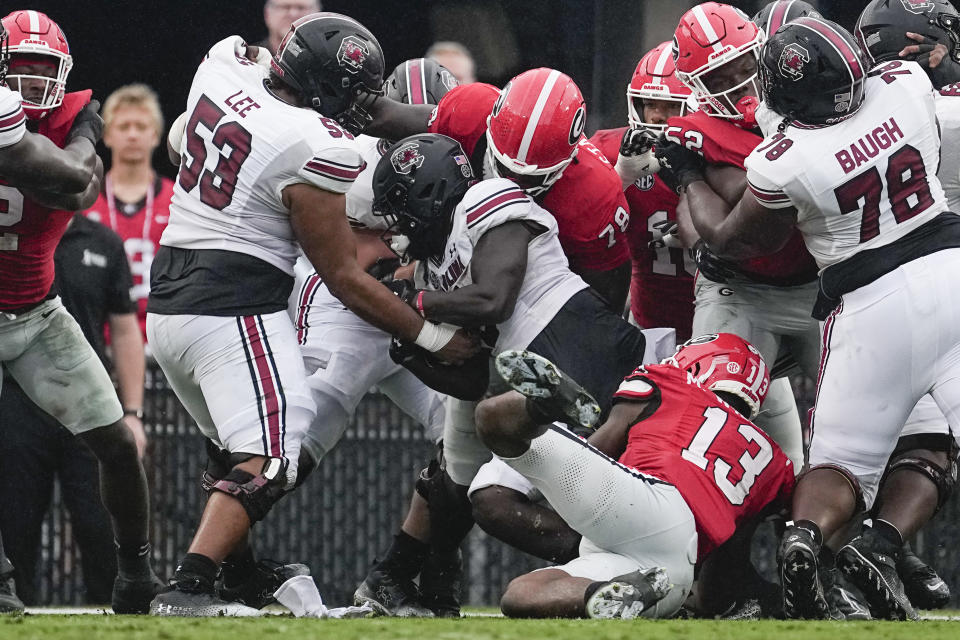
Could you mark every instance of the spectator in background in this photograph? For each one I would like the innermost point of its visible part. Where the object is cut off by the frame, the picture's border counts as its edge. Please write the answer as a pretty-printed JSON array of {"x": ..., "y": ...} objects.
[
  {"x": 456, "y": 58},
  {"x": 135, "y": 201},
  {"x": 94, "y": 281},
  {"x": 278, "y": 15}
]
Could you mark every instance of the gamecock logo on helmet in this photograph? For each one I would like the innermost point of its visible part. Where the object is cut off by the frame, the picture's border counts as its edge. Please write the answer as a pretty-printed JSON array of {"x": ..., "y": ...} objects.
[
  {"x": 917, "y": 6},
  {"x": 407, "y": 158},
  {"x": 353, "y": 53},
  {"x": 792, "y": 60}
]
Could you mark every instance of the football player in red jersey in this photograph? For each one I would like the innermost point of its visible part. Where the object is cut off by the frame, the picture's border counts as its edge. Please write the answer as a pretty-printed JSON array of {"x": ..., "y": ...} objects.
[
  {"x": 661, "y": 289},
  {"x": 671, "y": 475},
  {"x": 766, "y": 300},
  {"x": 41, "y": 345}
]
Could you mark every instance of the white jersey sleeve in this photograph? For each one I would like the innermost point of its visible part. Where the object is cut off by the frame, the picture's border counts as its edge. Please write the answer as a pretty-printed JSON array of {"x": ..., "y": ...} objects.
[
  {"x": 491, "y": 203},
  {"x": 13, "y": 122},
  {"x": 360, "y": 196},
  {"x": 948, "y": 116},
  {"x": 863, "y": 182}
]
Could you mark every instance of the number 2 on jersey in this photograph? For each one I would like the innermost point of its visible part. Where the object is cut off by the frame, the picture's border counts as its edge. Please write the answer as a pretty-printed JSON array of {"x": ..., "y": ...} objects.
[
  {"x": 11, "y": 212},
  {"x": 715, "y": 419},
  {"x": 217, "y": 185}
]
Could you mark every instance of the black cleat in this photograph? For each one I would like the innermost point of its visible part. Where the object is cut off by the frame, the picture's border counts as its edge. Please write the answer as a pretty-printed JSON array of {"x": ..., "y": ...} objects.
[
  {"x": 924, "y": 587},
  {"x": 554, "y": 392},
  {"x": 390, "y": 597},
  {"x": 133, "y": 595},
  {"x": 869, "y": 562},
  {"x": 629, "y": 595},
  {"x": 197, "y": 600},
  {"x": 9, "y": 602},
  {"x": 257, "y": 590},
  {"x": 440, "y": 580},
  {"x": 802, "y": 591}
]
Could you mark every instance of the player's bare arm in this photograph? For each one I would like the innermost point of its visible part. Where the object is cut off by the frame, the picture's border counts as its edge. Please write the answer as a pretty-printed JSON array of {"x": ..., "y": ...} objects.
[
  {"x": 394, "y": 120},
  {"x": 320, "y": 225},
  {"x": 611, "y": 437},
  {"x": 37, "y": 163},
  {"x": 70, "y": 201},
  {"x": 750, "y": 230},
  {"x": 498, "y": 267}
]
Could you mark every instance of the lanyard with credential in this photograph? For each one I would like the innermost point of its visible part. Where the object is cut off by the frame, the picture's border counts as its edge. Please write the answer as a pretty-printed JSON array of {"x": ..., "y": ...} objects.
[{"x": 112, "y": 207}]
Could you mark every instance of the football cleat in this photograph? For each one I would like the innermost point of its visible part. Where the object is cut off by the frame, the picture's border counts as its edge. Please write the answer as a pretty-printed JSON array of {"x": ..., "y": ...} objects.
[
  {"x": 9, "y": 602},
  {"x": 257, "y": 590},
  {"x": 133, "y": 596},
  {"x": 924, "y": 587},
  {"x": 390, "y": 597},
  {"x": 802, "y": 591},
  {"x": 748, "y": 609},
  {"x": 552, "y": 391},
  {"x": 628, "y": 596},
  {"x": 195, "y": 601},
  {"x": 869, "y": 562},
  {"x": 440, "y": 580}
]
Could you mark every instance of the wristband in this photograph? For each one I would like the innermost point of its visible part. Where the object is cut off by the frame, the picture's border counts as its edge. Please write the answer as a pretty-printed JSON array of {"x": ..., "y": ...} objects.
[
  {"x": 133, "y": 412},
  {"x": 434, "y": 337},
  {"x": 419, "y": 304}
]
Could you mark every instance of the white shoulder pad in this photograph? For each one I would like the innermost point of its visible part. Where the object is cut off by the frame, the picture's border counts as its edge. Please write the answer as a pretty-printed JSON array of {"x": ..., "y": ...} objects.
[
  {"x": 12, "y": 119},
  {"x": 490, "y": 203},
  {"x": 228, "y": 49}
]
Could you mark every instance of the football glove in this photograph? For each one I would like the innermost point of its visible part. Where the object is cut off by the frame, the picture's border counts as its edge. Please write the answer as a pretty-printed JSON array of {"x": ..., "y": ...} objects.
[
  {"x": 712, "y": 266},
  {"x": 405, "y": 290},
  {"x": 88, "y": 124},
  {"x": 636, "y": 159},
  {"x": 686, "y": 166},
  {"x": 665, "y": 235}
]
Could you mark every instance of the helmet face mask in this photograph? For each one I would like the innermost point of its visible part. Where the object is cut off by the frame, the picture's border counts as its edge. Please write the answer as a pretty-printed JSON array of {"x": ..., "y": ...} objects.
[
  {"x": 35, "y": 41},
  {"x": 655, "y": 81}
]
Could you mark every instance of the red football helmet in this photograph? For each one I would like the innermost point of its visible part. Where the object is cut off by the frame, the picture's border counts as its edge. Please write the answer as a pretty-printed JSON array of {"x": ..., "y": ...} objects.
[
  {"x": 725, "y": 362},
  {"x": 534, "y": 129},
  {"x": 654, "y": 79},
  {"x": 36, "y": 39},
  {"x": 709, "y": 36}
]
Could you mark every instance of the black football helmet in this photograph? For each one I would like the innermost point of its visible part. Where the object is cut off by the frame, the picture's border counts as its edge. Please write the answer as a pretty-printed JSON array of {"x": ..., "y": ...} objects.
[
  {"x": 4, "y": 53},
  {"x": 335, "y": 63},
  {"x": 780, "y": 12},
  {"x": 882, "y": 32},
  {"x": 416, "y": 186},
  {"x": 812, "y": 71},
  {"x": 419, "y": 81}
]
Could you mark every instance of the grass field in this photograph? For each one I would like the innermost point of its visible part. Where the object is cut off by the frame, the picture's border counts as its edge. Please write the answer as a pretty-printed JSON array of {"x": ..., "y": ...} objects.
[{"x": 108, "y": 627}]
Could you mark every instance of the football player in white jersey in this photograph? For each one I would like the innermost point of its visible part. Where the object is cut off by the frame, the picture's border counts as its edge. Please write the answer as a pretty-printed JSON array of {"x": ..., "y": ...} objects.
[
  {"x": 851, "y": 165},
  {"x": 266, "y": 159}
]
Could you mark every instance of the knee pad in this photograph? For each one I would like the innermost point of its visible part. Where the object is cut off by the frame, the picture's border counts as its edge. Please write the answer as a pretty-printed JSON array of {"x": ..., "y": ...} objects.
[
  {"x": 305, "y": 466},
  {"x": 256, "y": 493},
  {"x": 849, "y": 477},
  {"x": 943, "y": 478}
]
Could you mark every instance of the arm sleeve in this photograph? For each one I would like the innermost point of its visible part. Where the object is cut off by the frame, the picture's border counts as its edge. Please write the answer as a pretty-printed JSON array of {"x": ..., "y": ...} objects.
[
  {"x": 462, "y": 114},
  {"x": 118, "y": 298},
  {"x": 12, "y": 119}
]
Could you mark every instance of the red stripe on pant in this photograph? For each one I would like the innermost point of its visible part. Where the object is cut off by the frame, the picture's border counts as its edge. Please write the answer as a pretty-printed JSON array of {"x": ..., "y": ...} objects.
[
  {"x": 267, "y": 383},
  {"x": 306, "y": 294},
  {"x": 824, "y": 356}
]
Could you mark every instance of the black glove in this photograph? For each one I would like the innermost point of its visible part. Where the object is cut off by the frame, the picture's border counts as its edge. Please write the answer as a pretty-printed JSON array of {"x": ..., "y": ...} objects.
[
  {"x": 686, "y": 166},
  {"x": 636, "y": 141},
  {"x": 712, "y": 266},
  {"x": 88, "y": 124},
  {"x": 665, "y": 235},
  {"x": 405, "y": 290},
  {"x": 467, "y": 381},
  {"x": 384, "y": 268}
]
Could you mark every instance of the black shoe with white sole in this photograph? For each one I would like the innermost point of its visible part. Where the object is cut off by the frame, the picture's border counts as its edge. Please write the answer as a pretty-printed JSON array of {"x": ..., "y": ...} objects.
[
  {"x": 869, "y": 562},
  {"x": 628, "y": 596},
  {"x": 554, "y": 393},
  {"x": 924, "y": 587}
]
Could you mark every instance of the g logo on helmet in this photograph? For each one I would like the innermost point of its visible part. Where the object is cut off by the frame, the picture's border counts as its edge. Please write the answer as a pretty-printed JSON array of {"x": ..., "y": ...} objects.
[
  {"x": 917, "y": 7},
  {"x": 792, "y": 59},
  {"x": 352, "y": 54},
  {"x": 498, "y": 105},
  {"x": 406, "y": 158},
  {"x": 576, "y": 127}
]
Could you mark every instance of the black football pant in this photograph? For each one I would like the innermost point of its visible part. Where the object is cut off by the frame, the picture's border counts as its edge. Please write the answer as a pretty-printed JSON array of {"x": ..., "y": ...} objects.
[{"x": 35, "y": 449}]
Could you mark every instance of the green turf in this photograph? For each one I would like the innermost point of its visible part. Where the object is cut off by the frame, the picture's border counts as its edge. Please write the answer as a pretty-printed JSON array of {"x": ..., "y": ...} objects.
[{"x": 103, "y": 627}]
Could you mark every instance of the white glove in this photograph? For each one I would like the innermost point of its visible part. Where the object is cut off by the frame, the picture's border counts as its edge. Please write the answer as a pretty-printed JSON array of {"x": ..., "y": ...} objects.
[{"x": 300, "y": 595}]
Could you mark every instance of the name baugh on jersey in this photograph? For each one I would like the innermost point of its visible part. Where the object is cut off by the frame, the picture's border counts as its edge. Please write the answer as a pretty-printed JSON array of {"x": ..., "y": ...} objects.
[{"x": 869, "y": 145}]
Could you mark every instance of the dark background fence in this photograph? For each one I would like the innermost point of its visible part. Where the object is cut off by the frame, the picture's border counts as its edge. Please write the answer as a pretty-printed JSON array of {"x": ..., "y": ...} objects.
[{"x": 347, "y": 511}]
